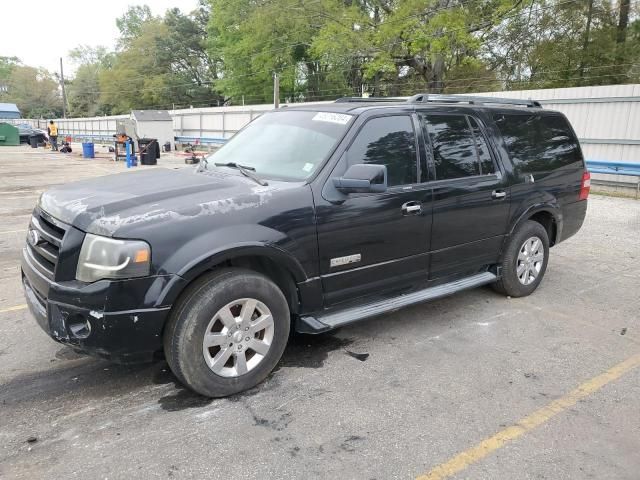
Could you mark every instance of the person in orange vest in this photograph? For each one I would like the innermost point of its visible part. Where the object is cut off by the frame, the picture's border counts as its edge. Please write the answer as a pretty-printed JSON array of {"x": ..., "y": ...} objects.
[{"x": 53, "y": 135}]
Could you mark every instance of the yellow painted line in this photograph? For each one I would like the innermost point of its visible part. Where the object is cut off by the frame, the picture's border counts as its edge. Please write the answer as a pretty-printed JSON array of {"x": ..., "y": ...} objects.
[
  {"x": 528, "y": 423},
  {"x": 13, "y": 309}
]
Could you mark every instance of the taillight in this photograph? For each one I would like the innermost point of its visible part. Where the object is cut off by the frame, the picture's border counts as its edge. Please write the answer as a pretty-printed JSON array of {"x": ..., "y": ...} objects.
[{"x": 585, "y": 186}]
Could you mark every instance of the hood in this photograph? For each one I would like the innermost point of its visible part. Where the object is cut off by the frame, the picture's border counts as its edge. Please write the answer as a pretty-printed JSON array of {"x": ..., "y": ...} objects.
[{"x": 118, "y": 205}]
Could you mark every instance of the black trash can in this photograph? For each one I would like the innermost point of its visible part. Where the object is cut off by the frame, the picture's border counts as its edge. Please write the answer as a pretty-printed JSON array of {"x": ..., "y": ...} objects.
[
  {"x": 33, "y": 141},
  {"x": 149, "y": 151}
]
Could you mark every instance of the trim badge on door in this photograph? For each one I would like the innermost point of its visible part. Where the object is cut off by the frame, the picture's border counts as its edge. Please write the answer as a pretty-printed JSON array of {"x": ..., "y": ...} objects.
[{"x": 340, "y": 261}]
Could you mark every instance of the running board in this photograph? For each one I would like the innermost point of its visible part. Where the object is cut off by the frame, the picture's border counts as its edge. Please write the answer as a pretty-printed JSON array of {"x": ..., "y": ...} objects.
[{"x": 335, "y": 319}]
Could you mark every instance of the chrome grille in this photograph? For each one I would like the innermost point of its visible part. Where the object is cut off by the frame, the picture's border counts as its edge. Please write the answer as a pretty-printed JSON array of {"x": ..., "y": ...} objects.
[{"x": 44, "y": 241}]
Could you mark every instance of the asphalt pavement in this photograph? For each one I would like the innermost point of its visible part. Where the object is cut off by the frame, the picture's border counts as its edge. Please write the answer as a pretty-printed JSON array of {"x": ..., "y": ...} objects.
[{"x": 474, "y": 386}]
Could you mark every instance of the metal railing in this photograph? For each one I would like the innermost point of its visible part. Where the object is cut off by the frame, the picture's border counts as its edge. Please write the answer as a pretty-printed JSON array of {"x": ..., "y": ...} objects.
[{"x": 616, "y": 168}]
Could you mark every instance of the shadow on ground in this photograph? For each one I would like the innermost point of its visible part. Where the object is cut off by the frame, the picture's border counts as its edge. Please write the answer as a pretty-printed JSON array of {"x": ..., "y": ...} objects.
[{"x": 73, "y": 375}]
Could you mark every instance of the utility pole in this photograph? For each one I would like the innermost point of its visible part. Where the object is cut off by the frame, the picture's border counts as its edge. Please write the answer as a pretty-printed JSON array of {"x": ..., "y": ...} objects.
[
  {"x": 64, "y": 95},
  {"x": 276, "y": 90}
]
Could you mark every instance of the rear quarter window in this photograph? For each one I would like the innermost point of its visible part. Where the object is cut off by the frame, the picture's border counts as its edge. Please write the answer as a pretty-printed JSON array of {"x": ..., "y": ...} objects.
[{"x": 538, "y": 142}]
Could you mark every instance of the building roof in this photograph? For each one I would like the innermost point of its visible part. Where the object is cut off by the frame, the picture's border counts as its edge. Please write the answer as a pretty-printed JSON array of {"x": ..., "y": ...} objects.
[
  {"x": 9, "y": 107},
  {"x": 151, "y": 115}
]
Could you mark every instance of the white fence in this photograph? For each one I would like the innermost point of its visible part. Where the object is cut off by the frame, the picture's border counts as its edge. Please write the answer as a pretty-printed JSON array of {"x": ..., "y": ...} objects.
[
  {"x": 606, "y": 119},
  {"x": 214, "y": 124}
]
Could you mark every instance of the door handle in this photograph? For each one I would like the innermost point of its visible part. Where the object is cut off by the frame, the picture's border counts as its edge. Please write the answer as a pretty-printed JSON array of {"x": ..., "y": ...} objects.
[
  {"x": 411, "y": 208},
  {"x": 498, "y": 194}
]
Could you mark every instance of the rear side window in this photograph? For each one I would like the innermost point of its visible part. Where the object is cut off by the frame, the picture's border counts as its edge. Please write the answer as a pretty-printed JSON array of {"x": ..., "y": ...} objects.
[
  {"x": 538, "y": 143},
  {"x": 388, "y": 141},
  {"x": 459, "y": 147}
]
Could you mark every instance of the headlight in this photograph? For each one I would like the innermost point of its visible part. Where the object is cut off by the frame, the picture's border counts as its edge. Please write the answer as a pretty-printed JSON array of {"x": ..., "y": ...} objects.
[{"x": 103, "y": 257}]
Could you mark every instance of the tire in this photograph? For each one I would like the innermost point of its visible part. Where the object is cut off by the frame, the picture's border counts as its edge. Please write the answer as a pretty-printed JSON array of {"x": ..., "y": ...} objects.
[
  {"x": 520, "y": 278},
  {"x": 231, "y": 306}
]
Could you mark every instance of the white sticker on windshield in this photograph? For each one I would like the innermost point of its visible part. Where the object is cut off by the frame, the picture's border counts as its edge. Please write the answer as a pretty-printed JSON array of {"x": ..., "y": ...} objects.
[
  {"x": 307, "y": 167},
  {"x": 340, "y": 118}
]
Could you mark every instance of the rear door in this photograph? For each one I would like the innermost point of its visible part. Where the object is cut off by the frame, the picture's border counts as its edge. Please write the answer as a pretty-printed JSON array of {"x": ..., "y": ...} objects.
[
  {"x": 470, "y": 195},
  {"x": 372, "y": 243}
]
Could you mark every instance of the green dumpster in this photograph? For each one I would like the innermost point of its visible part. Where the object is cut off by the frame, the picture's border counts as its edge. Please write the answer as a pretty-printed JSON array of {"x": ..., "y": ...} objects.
[{"x": 9, "y": 135}]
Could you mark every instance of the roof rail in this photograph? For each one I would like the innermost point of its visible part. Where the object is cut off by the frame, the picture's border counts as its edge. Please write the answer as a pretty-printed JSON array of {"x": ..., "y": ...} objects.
[
  {"x": 370, "y": 100},
  {"x": 438, "y": 98},
  {"x": 429, "y": 97}
]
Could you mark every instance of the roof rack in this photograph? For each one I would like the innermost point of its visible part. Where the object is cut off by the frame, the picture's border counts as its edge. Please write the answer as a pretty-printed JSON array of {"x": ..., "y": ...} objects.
[
  {"x": 438, "y": 98},
  {"x": 429, "y": 97},
  {"x": 370, "y": 100}
]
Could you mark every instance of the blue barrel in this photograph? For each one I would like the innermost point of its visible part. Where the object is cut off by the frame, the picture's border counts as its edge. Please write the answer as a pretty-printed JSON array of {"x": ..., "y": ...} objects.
[{"x": 88, "y": 150}]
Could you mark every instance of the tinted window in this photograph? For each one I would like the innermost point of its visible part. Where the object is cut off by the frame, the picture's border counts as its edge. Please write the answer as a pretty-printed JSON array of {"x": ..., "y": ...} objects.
[
  {"x": 486, "y": 163},
  {"x": 388, "y": 141},
  {"x": 454, "y": 149},
  {"x": 538, "y": 143},
  {"x": 559, "y": 145}
]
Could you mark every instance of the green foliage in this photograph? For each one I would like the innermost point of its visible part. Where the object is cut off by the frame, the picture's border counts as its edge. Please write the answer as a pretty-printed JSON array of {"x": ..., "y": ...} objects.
[
  {"x": 227, "y": 51},
  {"x": 34, "y": 90},
  {"x": 161, "y": 62},
  {"x": 132, "y": 23},
  {"x": 83, "y": 92},
  {"x": 563, "y": 44},
  {"x": 7, "y": 64}
]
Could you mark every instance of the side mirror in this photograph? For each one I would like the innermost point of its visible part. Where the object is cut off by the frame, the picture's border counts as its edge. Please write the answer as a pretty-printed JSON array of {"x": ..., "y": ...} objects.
[{"x": 362, "y": 178}]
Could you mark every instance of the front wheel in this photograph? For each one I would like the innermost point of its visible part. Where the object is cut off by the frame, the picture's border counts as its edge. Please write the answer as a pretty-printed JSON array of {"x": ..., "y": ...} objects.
[
  {"x": 525, "y": 260},
  {"x": 227, "y": 332}
]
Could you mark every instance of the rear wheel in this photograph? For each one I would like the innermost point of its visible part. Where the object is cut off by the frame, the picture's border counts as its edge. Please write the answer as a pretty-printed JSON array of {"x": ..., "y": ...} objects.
[
  {"x": 525, "y": 260},
  {"x": 227, "y": 333}
]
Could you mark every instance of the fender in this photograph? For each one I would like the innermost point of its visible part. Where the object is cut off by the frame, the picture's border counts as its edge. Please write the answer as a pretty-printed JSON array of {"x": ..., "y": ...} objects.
[
  {"x": 258, "y": 249},
  {"x": 207, "y": 261},
  {"x": 551, "y": 208}
]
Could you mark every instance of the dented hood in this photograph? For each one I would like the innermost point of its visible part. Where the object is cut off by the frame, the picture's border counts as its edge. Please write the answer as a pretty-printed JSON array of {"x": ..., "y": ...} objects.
[{"x": 132, "y": 203}]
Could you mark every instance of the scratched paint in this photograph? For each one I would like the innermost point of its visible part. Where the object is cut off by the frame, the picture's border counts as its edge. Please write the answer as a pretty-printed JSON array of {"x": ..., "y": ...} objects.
[{"x": 103, "y": 206}]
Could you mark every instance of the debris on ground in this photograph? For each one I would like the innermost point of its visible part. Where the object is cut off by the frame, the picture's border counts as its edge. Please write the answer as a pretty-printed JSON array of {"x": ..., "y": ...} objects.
[{"x": 358, "y": 356}]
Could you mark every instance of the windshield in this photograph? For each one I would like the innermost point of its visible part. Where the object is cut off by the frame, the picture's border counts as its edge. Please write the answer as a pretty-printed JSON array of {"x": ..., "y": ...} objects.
[{"x": 285, "y": 145}]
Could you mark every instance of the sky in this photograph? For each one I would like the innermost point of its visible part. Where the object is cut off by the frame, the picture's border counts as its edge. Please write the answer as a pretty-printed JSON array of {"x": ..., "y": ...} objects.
[{"x": 39, "y": 32}]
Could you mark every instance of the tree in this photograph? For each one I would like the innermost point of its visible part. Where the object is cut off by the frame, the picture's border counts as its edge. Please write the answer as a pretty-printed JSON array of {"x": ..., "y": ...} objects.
[
  {"x": 227, "y": 51},
  {"x": 562, "y": 44},
  {"x": 132, "y": 23},
  {"x": 7, "y": 64},
  {"x": 254, "y": 40},
  {"x": 328, "y": 48},
  {"x": 190, "y": 62},
  {"x": 83, "y": 90},
  {"x": 162, "y": 62},
  {"x": 35, "y": 91}
]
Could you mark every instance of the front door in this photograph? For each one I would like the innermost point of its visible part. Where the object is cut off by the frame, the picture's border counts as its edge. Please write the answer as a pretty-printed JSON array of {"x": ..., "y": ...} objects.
[
  {"x": 376, "y": 242},
  {"x": 470, "y": 195}
]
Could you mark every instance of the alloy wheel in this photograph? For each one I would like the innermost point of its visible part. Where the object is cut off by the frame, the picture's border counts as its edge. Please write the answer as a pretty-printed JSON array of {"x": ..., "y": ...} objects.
[
  {"x": 530, "y": 260},
  {"x": 238, "y": 337}
]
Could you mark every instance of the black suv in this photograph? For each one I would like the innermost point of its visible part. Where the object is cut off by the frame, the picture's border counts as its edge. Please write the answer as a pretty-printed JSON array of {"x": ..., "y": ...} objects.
[{"x": 310, "y": 218}]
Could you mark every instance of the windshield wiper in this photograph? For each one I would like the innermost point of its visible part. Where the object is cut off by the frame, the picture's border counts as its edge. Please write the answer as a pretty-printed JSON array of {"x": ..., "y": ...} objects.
[{"x": 246, "y": 171}]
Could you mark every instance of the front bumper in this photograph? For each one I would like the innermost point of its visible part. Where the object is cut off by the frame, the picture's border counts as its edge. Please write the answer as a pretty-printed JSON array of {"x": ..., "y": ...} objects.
[{"x": 117, "y": 320}]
